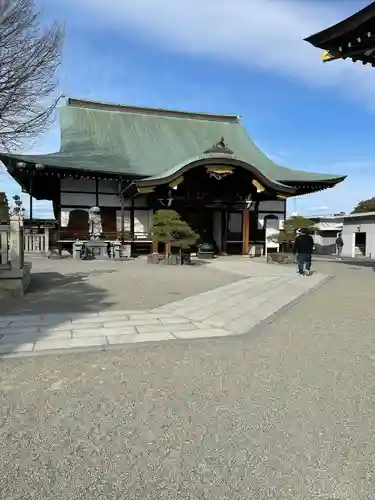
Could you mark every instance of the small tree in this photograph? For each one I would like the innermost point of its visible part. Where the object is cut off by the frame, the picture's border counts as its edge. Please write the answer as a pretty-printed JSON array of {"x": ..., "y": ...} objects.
[
  {"x": 4, "y": 209},
  {"x": 291, "y": 225},
  {"x": 365, "y": 206},
  {"x": 29, "y": 59},
  {"x": 168, "y": 228}
]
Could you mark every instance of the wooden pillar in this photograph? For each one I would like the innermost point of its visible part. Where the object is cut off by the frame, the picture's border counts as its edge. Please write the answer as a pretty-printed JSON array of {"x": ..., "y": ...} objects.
[
  {"x": 46, "y": 239},
  {"x": 245, "y": 230},
  {"x": 224, "y": 231},
  {"x": 132, "y": 224},
  {"x": 31, "y": 196},
  {"x": 96, "y": 191}
]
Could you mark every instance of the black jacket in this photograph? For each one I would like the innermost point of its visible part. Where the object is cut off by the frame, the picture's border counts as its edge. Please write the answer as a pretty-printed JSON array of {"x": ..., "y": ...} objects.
[
  {"x": 303, "y": 244},
  {"x": 339, "y": 242}
]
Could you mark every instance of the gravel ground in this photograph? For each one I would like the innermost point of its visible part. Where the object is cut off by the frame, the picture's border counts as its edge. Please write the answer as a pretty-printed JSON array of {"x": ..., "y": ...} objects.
[
  {"x": 284, "y": 413},
  {"x": 71, "y": 286}
]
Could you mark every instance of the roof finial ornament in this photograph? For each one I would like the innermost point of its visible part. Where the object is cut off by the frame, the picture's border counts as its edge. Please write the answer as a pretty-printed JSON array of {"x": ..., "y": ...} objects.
[
  {"x": 219, "y": 147},
  {"x": 221, "y": 143}
]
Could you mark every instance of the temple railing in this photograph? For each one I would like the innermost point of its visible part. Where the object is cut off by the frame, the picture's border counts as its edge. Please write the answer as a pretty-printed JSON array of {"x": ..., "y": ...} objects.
[
  {"x": 72, "y": 235},
  {"x": 36, "y": 243}
]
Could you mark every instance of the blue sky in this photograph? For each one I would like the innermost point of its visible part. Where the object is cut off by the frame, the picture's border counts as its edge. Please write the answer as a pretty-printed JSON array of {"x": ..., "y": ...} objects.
[{"x": 244, "y": 57}]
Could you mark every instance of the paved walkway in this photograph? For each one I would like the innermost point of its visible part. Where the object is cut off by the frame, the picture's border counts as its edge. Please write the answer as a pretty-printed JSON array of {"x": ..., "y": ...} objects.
[
  {"x": 228, "y": 310},
  {"x": 285, "y": 415}
]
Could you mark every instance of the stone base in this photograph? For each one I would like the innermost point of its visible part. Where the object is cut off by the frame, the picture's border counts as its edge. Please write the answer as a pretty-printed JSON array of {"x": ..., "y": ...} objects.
[
  {"x": 206, "y": 255},
  {"x": 256, "y": 250},
  {"x": 96, "y": 249},
  {"x": 155, "y": 258},
  {"x": 14, "y": 282},
  {"x": 171, "y": 260},
  {"x": 281, "y": 258}
]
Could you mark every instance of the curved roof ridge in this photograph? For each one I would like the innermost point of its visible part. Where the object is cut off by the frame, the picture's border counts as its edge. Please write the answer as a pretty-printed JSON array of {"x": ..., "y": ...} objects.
[
  {"x": 124, "y": 108},
  {"x": 212, "y": 159}
]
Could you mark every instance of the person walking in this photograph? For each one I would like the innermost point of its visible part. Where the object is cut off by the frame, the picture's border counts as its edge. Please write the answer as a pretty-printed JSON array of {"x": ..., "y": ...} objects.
[
  {"x": 303, "y": 248},
  {"x": 298, "y": 233},
  {"x": 339, "y": 246}
]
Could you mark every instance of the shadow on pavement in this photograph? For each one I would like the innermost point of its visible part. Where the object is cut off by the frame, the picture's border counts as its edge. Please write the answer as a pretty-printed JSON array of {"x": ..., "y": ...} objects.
[
  {"x": 349, "y": 261},
  {"x": 54, "y": 294},
  {"x": 358, "y": 263}
]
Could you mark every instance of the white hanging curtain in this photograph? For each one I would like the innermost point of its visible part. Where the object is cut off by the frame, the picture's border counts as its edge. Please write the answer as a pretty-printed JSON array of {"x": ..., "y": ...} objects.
[{"x": 64, "y": 218}]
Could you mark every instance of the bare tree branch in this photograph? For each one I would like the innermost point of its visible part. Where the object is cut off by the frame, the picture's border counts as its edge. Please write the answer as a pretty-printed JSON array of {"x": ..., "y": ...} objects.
[{"x": 29, "y": 59}]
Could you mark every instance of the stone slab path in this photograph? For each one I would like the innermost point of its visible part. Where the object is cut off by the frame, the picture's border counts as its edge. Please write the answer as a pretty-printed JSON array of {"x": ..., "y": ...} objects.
[{"x": 228, "y": 310}]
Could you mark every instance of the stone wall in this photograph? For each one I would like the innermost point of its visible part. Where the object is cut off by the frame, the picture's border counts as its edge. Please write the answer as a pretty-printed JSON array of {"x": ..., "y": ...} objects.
[{"x": 15, "y": 275}]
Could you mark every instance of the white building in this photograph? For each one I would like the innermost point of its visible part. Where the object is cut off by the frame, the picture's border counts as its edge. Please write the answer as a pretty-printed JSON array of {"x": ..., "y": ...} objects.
[
  {"x": 359, "y": 235},
  {"x": 326, "y": 229}
]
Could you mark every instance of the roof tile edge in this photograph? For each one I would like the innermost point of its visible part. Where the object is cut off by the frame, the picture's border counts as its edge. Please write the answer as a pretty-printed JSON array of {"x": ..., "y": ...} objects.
[{"x": 106, "y": 106}]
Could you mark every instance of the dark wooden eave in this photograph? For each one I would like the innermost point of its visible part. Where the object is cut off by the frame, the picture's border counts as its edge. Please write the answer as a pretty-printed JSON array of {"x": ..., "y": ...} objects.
[{"x": 353, "y": 38}]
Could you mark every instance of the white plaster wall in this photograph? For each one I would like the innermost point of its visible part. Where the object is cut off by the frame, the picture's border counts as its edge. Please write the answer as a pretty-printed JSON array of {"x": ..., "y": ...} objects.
[
  {"x": 325, "y": 242},
  {"x": 271, "y": 229},
  {"x": 127, "y": 225},
  {"x": 262, "y": 216},
  {"x": 142, "y": 223},
  {"x": 350, "y": 228}
]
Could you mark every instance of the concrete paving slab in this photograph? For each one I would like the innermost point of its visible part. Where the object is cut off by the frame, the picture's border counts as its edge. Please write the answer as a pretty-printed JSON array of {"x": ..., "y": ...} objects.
[
  {"x": 19, "y": 331},
  {"x": 134, "y": 322},
  {"x": 114, "y": 339},
  {"x": 58, "y": 327},
  {"x": 161, "y": 328},
  {"x": 83, "y": 326},
  {"x": 126, "y": 330},
  {"x": 14, "y": 348},
  {"x": 153, "y": 337},
  {"x": 150, "y": 315},
  {"x": 27, "y": 319},
  {"x": 59, "y": 344},
  {"x": 234, "y": 308},
  {"x": 32, "y": 337},
  {"x": 174, "y": 320},
  {"x": 201, "y": 333},
  {"x": 118, "y": 314},
  {"x": 87, "y": 319}
]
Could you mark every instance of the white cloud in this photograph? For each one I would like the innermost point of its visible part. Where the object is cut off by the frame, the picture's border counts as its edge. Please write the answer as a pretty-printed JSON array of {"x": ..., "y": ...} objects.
[
  {"x": 266, "y": 34},
  {"x": 321, "y": 208}
]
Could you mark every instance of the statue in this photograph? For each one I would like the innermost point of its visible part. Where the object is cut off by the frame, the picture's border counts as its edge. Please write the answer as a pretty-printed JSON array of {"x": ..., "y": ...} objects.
[
  {"x": 95, "y": 223},
  {"x": 17, "y": 208}
]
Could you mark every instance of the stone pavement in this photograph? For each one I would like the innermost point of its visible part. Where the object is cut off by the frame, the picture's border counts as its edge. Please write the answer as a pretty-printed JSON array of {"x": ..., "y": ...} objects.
[
  {"x": 228, "y": 310},
  {"x": 285, "y": 415}
]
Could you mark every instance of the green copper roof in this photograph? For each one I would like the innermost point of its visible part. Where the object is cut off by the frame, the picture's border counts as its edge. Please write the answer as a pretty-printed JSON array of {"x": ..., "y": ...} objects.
[{"x": 152, "y": 143}]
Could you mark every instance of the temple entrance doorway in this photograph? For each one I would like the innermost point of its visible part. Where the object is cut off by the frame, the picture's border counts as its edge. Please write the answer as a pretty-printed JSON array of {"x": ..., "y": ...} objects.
[{"x": 200, "y": 220}]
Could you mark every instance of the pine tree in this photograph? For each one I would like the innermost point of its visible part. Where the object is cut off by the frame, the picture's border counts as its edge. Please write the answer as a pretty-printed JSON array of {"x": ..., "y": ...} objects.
[
  {"x": 168, "y": 228},
  {"x": 288, "y": 234}
]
